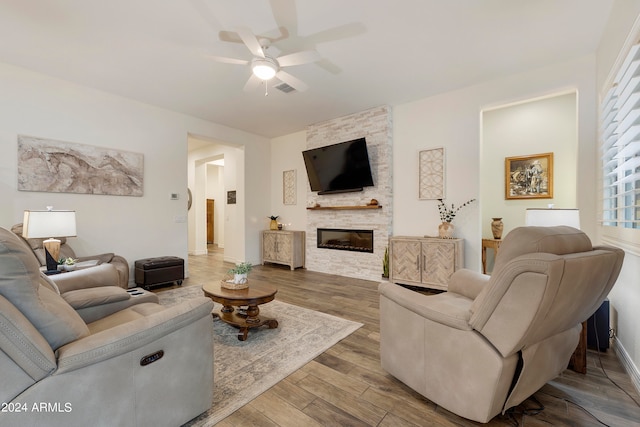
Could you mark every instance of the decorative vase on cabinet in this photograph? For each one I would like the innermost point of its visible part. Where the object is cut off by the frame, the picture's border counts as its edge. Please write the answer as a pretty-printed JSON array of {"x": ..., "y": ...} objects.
[
  {"x": 445, "y": 230},
  {"x": 496, "y": 228}
]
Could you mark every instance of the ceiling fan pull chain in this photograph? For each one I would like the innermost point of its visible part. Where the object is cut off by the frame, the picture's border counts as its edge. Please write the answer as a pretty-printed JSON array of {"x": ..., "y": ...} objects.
[{"x": 266, "y": 88}]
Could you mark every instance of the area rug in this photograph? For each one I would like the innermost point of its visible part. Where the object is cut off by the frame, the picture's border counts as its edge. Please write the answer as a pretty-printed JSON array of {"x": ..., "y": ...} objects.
[{"x": 245, "y": 369}]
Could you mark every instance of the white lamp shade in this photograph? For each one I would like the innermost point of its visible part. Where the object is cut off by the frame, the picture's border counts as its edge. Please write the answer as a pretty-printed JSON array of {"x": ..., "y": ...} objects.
[
  {"x": 551, "y": 217},
  {"x": 46, "y": 224}
]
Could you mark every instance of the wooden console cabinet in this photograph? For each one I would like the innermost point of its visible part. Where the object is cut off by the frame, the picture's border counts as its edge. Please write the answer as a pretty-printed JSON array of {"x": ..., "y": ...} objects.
[
  {"x": 283, "y": 247},
  {"x": 424, "y": 261}
]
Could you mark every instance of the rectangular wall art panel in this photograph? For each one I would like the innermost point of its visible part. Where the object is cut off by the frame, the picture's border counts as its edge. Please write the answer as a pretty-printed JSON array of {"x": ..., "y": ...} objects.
[
  {"x": 66, "y": 167},
  {"x": 431, "y": 181},
  {"x": 289, "y": 187}
]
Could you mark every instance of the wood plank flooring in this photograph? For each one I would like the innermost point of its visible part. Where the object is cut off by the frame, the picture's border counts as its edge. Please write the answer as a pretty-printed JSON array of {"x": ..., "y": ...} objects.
[{"x": 345, "y": 386}]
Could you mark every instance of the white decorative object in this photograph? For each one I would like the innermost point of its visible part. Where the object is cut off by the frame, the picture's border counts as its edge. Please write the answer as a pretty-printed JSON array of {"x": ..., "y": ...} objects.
[
  {"x": 289, "y": 187},
  {"x": 542, "y": 217},
  {"x": 431, "y": 182}
]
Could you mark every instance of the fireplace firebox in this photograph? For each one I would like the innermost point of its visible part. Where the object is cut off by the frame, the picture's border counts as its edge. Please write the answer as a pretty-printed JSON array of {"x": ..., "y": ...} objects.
[{"x": 345, "y": 239}]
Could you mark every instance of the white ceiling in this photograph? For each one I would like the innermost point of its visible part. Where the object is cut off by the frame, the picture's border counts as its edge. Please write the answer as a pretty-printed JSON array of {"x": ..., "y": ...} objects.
[{"x": 374, "y": 52}]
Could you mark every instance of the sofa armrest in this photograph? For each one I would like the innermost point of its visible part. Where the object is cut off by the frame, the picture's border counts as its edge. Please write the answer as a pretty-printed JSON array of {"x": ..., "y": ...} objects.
[
  {"x": 92, "y": 277},
  {"x": 468, "y": 283},
  {"x": 131, "y": 335},
  {"x": 101, "y": 258},
  {"x": 447, "y": 308},
  {"x": 91, "y": 297}
]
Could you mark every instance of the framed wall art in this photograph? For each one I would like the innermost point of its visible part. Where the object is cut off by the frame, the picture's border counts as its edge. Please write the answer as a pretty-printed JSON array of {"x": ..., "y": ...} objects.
[
  {"x": 289, "y": 187},
  {"x": 231, "y": 197},
  {"x": 431, "y": 174},
  {"x": 67, "y": 167},
  {"x": 529, "y": 177}
]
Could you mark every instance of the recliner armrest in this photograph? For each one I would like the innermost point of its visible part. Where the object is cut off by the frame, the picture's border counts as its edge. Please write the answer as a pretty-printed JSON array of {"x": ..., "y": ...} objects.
[
  {"x": 92, "y": 277},
  {"x": 467, "y": 282},
  {"x": 102, "y": 258},
  {"x": 91, "y": 297},
  {"x": 131, "y": 335},
  {"x": 447, "y": 308}
]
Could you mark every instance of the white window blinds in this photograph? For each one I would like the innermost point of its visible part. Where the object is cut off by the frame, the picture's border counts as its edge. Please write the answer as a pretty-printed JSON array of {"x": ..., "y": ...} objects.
[{"x": 620, "y": 144}]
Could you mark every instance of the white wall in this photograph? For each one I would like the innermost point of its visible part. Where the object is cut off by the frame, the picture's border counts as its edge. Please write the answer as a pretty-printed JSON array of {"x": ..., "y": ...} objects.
[
  {"x": 625, "y": 296},
  {"x": 453, "y": 120},
  {"x": 286, "y": 154},
  {"x": 134, "y": 227},
  {"x": 545, "y": 125}
]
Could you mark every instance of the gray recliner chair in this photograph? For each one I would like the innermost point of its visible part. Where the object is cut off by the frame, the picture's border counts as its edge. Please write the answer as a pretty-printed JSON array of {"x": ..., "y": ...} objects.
[
  {"x": 119, "y": 263},
  {"x": 489, "y": 343},
  {"x": 142, "y": 365}
]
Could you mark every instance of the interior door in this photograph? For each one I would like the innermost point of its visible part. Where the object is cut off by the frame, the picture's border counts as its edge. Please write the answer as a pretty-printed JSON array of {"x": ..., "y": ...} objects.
[{"x": 210, "y": 205}]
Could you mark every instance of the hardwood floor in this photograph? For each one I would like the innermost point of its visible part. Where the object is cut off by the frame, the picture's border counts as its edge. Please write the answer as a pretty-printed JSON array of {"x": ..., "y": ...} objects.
[{"x": 345, "y": 386}]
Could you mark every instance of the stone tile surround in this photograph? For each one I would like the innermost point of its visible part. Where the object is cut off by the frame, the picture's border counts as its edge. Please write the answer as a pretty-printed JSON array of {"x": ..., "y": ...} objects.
[{"x": 376, "y": 126}]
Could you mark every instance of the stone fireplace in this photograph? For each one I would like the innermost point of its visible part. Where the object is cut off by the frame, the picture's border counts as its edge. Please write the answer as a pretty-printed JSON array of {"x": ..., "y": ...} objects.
[
  {"x": 345, "y": 240},
  {"x": 348, "y": 212}
]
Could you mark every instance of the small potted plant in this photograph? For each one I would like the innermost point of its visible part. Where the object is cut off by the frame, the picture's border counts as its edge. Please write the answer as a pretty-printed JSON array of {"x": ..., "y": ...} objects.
[
  {"x": 240, "y": 272},
  {"x": 68, "y": 264}
]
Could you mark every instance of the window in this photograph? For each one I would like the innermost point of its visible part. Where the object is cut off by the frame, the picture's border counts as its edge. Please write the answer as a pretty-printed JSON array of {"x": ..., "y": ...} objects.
[{"x": 620, "y": 146}]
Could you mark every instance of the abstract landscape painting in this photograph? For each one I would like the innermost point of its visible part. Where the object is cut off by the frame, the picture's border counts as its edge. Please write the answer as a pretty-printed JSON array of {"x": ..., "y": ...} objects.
[{"x": 65, "y": 167}]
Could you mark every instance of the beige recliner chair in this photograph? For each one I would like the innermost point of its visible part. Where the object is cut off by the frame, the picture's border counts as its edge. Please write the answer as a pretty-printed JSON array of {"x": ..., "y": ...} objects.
[
  {"x": 143, "y": 365},
  {"x": 120, "y": 263},
  {"x": 489, "y": 343}
]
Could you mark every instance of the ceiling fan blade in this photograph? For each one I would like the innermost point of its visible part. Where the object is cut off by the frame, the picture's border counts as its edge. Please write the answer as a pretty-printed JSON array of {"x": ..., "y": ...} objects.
[
  {"x": 229, "y": 36},
  {"x": 338, "y": 33},
  {"x": 228, "y": 60},
  {"x": 298, "y": 58},
  {"x": 285, "y": 14},
  {"x": 292, "y": 81},
  {"x": 252, "y": 84},
  {"x": 251, "y": 41}
]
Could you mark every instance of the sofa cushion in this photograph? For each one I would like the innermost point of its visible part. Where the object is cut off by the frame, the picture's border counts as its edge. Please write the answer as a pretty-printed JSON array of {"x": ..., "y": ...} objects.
[{"x": 20, "y": 283}]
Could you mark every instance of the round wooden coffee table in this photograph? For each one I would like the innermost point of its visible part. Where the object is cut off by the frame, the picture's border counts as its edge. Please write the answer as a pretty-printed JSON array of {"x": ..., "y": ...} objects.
[{"x": 252, "y": 297}]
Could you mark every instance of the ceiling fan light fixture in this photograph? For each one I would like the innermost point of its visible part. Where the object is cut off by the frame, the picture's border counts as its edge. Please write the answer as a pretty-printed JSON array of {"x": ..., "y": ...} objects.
[{"x": 264, "y": 68}]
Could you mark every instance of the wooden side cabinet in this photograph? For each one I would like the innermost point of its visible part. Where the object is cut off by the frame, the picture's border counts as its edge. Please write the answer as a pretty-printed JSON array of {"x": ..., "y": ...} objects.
[
  {"x": 424, "y": 261},
  {"x": 283, "y": 247}
]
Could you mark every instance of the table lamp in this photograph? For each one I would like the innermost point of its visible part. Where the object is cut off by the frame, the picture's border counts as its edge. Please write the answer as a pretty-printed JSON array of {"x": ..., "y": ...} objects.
[
  {"x": 49, "y": 224},
  {"x": 550, "y": 217}
]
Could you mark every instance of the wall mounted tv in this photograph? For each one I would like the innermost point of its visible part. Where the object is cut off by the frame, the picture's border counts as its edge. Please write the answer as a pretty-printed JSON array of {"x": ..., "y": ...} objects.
[{"x": 339, "y": 168}]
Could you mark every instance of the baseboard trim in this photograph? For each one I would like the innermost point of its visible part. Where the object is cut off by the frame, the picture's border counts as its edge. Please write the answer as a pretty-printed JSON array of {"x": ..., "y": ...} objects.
[{"x": 627, "y": 363}]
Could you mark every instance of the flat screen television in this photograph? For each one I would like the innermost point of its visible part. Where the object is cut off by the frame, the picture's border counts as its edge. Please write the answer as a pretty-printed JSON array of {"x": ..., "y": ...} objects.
[{"x": 339, "y": 168}]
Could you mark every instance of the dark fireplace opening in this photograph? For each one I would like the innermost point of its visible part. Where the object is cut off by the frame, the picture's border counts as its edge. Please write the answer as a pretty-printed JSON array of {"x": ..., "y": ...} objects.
[{"x": 345, "y": 240}]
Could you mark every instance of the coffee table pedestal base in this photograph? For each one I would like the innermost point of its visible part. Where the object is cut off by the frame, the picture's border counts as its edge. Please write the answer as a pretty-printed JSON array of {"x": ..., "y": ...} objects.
[{"x": 244, "y": 320}]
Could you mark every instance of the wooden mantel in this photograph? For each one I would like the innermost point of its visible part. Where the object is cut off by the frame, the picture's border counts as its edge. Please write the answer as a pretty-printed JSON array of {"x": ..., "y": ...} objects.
[{"x": 335, "y": 208}]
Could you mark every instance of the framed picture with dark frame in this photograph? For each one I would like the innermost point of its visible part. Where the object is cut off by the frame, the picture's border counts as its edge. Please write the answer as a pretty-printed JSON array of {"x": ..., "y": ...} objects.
[
  {"x": 529, "y": 177},
  {"x": 231, "y": 197}
]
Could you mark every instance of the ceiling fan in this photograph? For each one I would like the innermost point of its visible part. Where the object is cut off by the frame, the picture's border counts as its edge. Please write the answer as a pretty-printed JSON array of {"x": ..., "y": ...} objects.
[{"x": 264, "y": 66}]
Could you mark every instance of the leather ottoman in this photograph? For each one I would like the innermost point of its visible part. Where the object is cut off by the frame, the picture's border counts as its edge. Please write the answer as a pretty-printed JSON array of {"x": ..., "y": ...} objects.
[{"x": 159, "y": 271}]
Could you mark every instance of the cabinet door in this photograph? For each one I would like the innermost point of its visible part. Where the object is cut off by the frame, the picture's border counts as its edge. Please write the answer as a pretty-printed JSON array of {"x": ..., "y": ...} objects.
[
  {"x": 405, "y": 261},
  {"x": 269, "y": 246},
  {"x": 438, "y": 262},
  {"x": 285, "y": 243}
]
